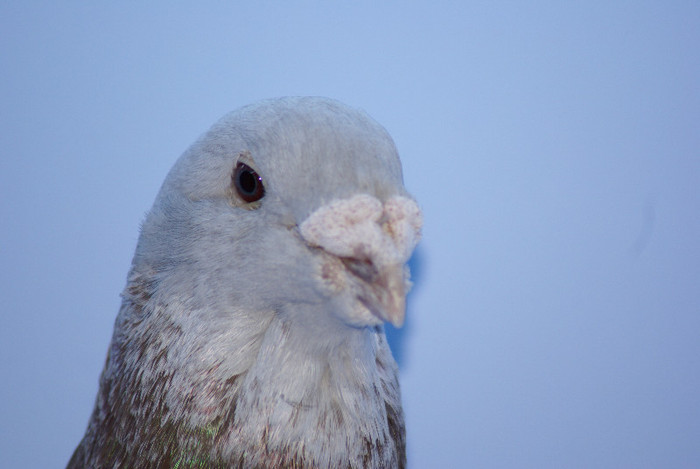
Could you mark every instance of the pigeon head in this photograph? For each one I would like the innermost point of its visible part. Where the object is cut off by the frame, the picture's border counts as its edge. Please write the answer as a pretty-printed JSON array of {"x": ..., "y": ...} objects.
[{"x": 286, "y": 202}]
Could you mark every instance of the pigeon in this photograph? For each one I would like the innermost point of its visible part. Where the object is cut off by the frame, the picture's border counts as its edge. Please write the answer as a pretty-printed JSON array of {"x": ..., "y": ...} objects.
[{"x": 251, "y": 328}]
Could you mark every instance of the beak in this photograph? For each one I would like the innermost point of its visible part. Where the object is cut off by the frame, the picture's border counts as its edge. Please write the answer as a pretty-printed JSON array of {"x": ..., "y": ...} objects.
[{"x": 383, "y": 290}]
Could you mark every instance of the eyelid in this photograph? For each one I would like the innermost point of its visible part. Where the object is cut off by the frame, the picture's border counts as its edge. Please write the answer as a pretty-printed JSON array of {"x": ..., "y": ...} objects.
[{"x": 245, "y": 157}]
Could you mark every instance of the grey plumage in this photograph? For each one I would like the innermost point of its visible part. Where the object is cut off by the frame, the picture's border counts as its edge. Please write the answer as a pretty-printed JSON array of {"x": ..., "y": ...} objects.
[{"x": 250, "y": 332}]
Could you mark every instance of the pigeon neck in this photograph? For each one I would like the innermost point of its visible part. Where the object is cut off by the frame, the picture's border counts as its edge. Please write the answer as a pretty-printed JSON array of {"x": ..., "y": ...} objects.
[{"x": 334, "y": 400}]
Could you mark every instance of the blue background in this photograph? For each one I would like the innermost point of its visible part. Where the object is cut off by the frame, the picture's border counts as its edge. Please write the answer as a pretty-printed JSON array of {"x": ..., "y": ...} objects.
[{"x": 554, "y": 148}]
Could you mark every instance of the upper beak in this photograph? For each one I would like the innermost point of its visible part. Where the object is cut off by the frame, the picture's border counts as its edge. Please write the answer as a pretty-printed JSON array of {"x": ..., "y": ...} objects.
[{"x": 384, "y": 290}]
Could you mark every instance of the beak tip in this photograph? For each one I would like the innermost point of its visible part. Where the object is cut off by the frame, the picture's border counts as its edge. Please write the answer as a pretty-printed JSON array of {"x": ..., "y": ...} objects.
[
  {"x": 396, "y": 311},
  {"x": 397, "y": 322}
]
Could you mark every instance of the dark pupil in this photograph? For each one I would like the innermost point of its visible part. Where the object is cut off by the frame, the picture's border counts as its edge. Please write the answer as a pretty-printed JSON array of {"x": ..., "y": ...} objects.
[{"x": 247, "y": 181}]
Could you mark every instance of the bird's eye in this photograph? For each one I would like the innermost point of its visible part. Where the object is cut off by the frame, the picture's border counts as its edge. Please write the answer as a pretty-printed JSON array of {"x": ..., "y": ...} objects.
[{"x": 248, "y": 184}]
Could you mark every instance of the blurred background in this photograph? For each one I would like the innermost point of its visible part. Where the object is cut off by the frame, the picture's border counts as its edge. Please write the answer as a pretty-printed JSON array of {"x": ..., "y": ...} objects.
[{"x": 553, "y": 146}]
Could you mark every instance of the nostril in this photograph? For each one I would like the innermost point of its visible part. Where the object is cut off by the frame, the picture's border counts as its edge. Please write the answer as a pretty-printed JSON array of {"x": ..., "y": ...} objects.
[{"x": 363, "y": 268}]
